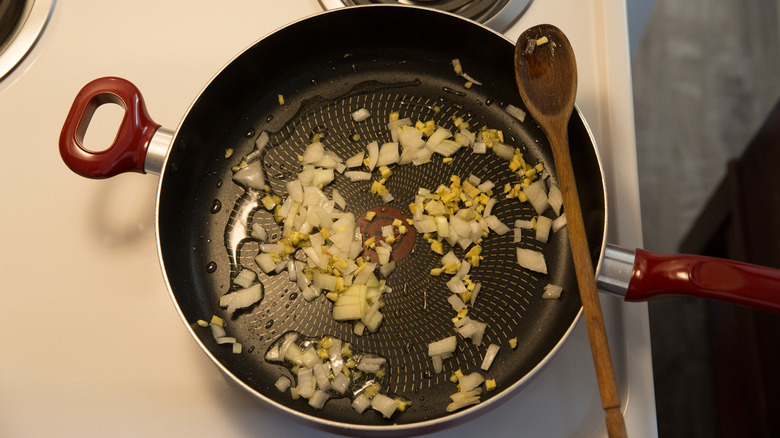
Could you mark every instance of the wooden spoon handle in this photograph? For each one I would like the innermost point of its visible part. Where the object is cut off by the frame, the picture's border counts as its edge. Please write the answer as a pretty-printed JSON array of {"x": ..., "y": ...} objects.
[{"x": 586, "y": 281}]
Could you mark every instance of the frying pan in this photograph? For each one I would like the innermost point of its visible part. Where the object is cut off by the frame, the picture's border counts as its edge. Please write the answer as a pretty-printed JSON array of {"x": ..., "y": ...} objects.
[{"x": 304, "y": 80}]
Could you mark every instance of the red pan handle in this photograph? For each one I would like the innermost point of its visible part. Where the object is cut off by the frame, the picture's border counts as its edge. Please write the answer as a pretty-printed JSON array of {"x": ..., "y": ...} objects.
[
  {"x": 128, "y": 151},
  {"x": 705, "y": 277}
]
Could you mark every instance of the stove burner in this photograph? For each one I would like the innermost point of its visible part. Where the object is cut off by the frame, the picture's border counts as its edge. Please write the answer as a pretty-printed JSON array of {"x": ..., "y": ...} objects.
[
  {"x": 21, "y": 24},
  {"x": 498, "y": 14}
]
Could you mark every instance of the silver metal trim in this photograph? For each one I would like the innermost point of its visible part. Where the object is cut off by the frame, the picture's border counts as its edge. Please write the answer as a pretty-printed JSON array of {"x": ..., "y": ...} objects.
[
  {"x": 617, "y": 267},
  {"x": 157, "y": 151},
  {"x": 501, "y": 21},
  {"x": 34, "y": 19}
]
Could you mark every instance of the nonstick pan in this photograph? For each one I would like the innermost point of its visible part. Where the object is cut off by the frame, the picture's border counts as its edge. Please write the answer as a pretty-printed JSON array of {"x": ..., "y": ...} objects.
[{"x": 301, "y": 82}]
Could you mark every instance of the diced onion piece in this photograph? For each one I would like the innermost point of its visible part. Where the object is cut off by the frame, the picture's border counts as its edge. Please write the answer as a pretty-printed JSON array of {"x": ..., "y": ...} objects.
[
  {"x": 555, "y": 199},
  {"x": 456, "y": 285},
  {"x": 490, "y": 355},
  {"x": 262, "y": 141},
  {"x": 446, "y": 345},
  {"x": 355, "y": 175},
  {"x": 456, "y": 303},
  {"x": 496, "y": 225},
  {"x": 251, "y": 176},
  {"x": 537, "y": 196},
  {"x": 360, "y": 115},
  {"x": 355, "y": 160},
  {"x": 470, "y": 381},
  {"x": 485, "y": 186},
  {"x": 543, "y": 224},
  {"x": 318, "y": 399},
  {"x": 475, "y": 292},
  {"x": 530, "y": 259},
  {"x": 313, "y": 153},
  {"x": 524, "y": 224},
  {"x": 237, "y": 347},
  {"x": 225, "y": 340},
  {"x": 295, "y": 190},
  {"x": 503, "y": 150},
  {"x": 305, "y": 382},
  {"x": 373, "y": 154},
  {"x": 265, "y": 262},
  {"x": 463, "y": 399},
  {"x": 437, "y": 137},
  {"x": 388, "y": 154},
  {"x": 341, "y": 383},
  {"x": 361, "y": 402},
  {"x": 480, "y": 147},
  {"x": 245, "y": 278},
  {"x": 518, "y": 235},
  {"x": 259, "y": 232},
  {"x": 552, "y": 292},
  {"x": 387, "y": 269},
  {"x": 515, "y": 112},
  {"x": 339, "y": 199},
  {"x": 559, "y": 223},
  {"x": 283, "y": 383},
  {"x": 384, "y": 404},
  {"x": 242, "y": 298}
]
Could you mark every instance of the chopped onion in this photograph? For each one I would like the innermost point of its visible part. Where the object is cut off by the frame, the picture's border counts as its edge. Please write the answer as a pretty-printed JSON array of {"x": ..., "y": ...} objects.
[
  {"x": 515, "y": 112},
  {"x": 446, "y": 345},
  {"x": 475, "y": 292},
  {"x": 387, "y": 269},
  {"x": 496, "y": 225},
  {"x": 490, "y": 355},
  {"x": 242, "y": 298},
  {"x": 360, "y": 115},
  {"x": 295, "y": 190},
  {"x": 283, "y": 383},
  {"x": 543, "y": 224},
  {"x": 361, "y": 402},
  {"x": 313, "y": 153},
  {"x": 355, "y": 175},
  {"x": 339, "y": 199},
  {"x": 555, "y": 199},
  {"x": 355, "y": 160},
  {"x": 388, "y": 154},
  {"x": 251, "y": 176},
  {"x": 537, "y": 196},
  {"x": 470, "y": 381},
  {"x": 489, "y": 207},
  {"x": 258, "y": 232},
  {"x": 341, "y": 383},
  {"x": 524, "y": 224},
  {"x": 463, "y": 399},
  {"x": 265, "y": 262},
  {"x": 437, "y": 137},
  {"x": 305, "y": 382},
  {"x": 480, "y": 147},
  {"x": 530, "y": 259},
  {"x": 559, "y": 223},
  {"x": 503, "y": 150},
  {"x": 245, "y": 278},
  {"x": 384, "y": 404},
  {"x": 373, "y": 154},
  {"x": 318, "y": 399},
  {"x": 518, "y": 235},
  {"x": 552, "y": 292},
  {"x": 456, "y": 303}
]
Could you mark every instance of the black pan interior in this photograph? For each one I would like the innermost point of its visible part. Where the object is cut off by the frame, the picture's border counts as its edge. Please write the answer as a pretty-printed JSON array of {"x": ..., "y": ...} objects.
[{"x": 384, "y": 58}]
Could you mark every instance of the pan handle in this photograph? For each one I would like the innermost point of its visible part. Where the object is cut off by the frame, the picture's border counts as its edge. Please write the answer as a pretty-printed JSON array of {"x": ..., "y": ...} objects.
[
  {"x": 705, "y": 277},
  {"x": 139, "y": 145}
]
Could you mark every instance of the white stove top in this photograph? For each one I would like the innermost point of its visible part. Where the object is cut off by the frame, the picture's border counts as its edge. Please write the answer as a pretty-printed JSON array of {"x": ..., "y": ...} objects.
[{"x": 93, "y": 345}]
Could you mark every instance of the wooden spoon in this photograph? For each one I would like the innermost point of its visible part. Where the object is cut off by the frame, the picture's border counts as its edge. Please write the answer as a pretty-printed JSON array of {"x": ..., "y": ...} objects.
[{"x": 546, "y": 75}]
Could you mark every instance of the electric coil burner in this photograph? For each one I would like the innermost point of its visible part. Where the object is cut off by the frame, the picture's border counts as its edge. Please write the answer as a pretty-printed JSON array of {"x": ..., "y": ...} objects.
[{"x": 497, "y": 14}]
